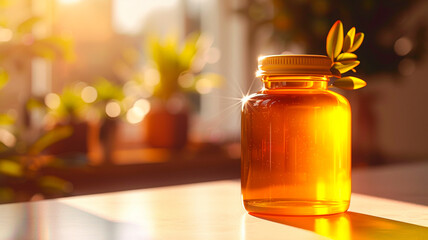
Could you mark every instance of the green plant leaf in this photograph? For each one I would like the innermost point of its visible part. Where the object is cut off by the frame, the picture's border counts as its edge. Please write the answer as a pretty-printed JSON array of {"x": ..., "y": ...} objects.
[
  {"x": 335, "y": 40},
  {"x": 107, "y": 90},
  {"x": 189, "y": 51},
  {"x": 28, "y": 25},
  {"x": 345, "y": 66},
  {"x": 358, "y": 40},
  {"x": 71, "y": 104},
  {"x": 10, "y": 168},
  {"x": 34, "y": 103},
  {"x": 54, "y": 46},
  {"x": 349, "y": 83},
  {"x": 346, "y": 57},
  {"x": 349, "y": 39},
  {"x": 50, "y": 138},
  {"x": 6, "y": 119},
  {"x": 4, "y": 78},
  {"x": 54, "y": 184}
]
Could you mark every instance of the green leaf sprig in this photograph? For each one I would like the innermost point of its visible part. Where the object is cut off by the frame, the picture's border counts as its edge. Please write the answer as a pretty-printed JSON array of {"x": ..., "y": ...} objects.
[{"x": 346, "y": 61}]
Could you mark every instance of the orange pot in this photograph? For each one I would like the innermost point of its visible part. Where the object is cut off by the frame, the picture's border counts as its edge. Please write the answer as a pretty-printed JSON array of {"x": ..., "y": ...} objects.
[{"x": 165, "y": 129}]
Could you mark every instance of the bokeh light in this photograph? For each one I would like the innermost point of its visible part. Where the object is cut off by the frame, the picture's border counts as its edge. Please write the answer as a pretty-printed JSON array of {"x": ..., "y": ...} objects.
[
  {"x": 89, "y": 94},
  {"x": 7, "y": 138},
  {"x": 113, "y": 109},
  {"x": 403, "y": 46},
  {"x": 143, "y": 104},
  {"x": 151, "y": 76},
  {"x": 52, "y": 100},
  {"x": 131, "y": 88},
  {"x": 135, "y": 115},
  {"x": 5, "y": 34},
  {"x": 186, "y": 80},
  {"x": 204, "y": 86}
]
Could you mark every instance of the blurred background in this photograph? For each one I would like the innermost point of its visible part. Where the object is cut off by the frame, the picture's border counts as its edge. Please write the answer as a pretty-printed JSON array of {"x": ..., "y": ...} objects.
[{"x": 108, "y": 95}]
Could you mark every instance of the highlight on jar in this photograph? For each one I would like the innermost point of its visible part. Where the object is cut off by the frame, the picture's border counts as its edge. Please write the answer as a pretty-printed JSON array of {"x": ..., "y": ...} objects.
[{"x": 296, "y": 133}]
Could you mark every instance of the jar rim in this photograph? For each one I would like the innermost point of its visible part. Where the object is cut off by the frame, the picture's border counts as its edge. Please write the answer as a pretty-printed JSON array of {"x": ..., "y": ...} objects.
[{"x": 294, "y": 64}]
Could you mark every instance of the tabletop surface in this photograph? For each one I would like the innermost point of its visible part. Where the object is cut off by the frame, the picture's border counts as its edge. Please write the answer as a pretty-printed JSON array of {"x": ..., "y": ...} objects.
[{"x": 213, "y": 210}]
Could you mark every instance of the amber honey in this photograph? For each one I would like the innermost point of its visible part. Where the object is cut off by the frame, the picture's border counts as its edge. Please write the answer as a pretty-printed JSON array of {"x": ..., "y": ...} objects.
[{"x": 296, "y": 148}]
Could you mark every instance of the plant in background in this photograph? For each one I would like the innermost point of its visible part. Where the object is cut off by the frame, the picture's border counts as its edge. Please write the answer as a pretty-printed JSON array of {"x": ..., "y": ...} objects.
[
  {"x": 110, "y": 98},
  {"x": 82, "y": 102},
  {"x": 22, "y": 158},
  {"x": 21, "y": 162},
  {"x": 346, "y": 61},
  {"x": 178, "y": 66},
  {"x": 173, "y": 71},
  {"x": 21, "y": 165},
  {"x": 66, "y": 107},
  {"x": 20, "y": 44}
]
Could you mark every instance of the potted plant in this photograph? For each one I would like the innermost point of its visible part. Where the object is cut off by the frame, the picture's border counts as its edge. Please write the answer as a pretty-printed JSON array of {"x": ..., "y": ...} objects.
[
  {"x": 110, "y": 107},
  {"x": 22, "y": 158},
  {"x": 69, "y": 109},
  {"x": 174, "y": 71}
]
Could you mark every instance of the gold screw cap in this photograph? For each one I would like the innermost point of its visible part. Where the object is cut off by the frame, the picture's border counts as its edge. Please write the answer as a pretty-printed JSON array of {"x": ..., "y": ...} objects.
[{"x": 315, "y": 65}]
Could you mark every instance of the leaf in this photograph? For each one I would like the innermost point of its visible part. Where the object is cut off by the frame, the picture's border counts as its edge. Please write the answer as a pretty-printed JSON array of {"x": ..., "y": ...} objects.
[
  {"x": 335, "y": 40},
  {"x": 107, "y": 90},
  {"x": 345, "y": 66},
  {"x": 346, "y": 56},
  {"x": 6, "y": 119},
  {"x": 349, "y": 83},
  {"x": 4, "y": 78},
  {"x": 358, "y": 40},
  {"x": 54, "y": 184},
  {"x": 28, "y": 25},
  {"x": 50, "y": 138},
  {"x": 34, "y": 103},
  {"x": 349, "y": 39},
  {"x": 335, "y": 72},
  {"x": 10, "y": 168},
  {"x": 43, "y": 51},
  {"x": 55, "y": 46},
  {"x": 189, "y": 51}
]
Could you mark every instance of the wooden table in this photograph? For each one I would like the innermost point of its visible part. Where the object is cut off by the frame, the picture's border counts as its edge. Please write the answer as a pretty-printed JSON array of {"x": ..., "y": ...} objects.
[{"x": 213, "y": 210}]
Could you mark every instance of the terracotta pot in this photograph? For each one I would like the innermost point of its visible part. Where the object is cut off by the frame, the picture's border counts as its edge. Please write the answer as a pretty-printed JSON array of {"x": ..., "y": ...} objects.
[
  {"x": 164, "y": 128},
  {"x": 107, "y": 138},
  {"x": 78, "y": 142}
]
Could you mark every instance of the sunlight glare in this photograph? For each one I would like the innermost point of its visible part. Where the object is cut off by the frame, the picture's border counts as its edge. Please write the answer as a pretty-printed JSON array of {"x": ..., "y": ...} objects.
[{"x": 245, "y": 99}]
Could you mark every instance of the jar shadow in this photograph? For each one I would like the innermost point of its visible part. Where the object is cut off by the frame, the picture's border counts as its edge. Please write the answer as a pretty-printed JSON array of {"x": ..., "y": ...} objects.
[{"x": 352, "y": 225}]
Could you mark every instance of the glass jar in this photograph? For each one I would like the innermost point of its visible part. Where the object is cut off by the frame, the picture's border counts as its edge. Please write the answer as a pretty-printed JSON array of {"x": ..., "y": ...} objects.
[{"x": 296, "y": 140}]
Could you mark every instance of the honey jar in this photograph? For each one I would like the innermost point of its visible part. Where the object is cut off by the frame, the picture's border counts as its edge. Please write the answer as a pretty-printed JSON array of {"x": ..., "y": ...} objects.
[{"x": 296, "y": 140}]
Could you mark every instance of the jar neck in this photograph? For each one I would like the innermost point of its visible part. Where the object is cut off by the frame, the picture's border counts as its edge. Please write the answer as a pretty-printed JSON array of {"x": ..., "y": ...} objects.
[{"x": 294, "y": 82}]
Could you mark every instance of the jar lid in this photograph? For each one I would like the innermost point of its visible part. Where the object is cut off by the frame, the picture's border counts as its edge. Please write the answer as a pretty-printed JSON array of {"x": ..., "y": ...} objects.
[{"x": 295, "y": 65}]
